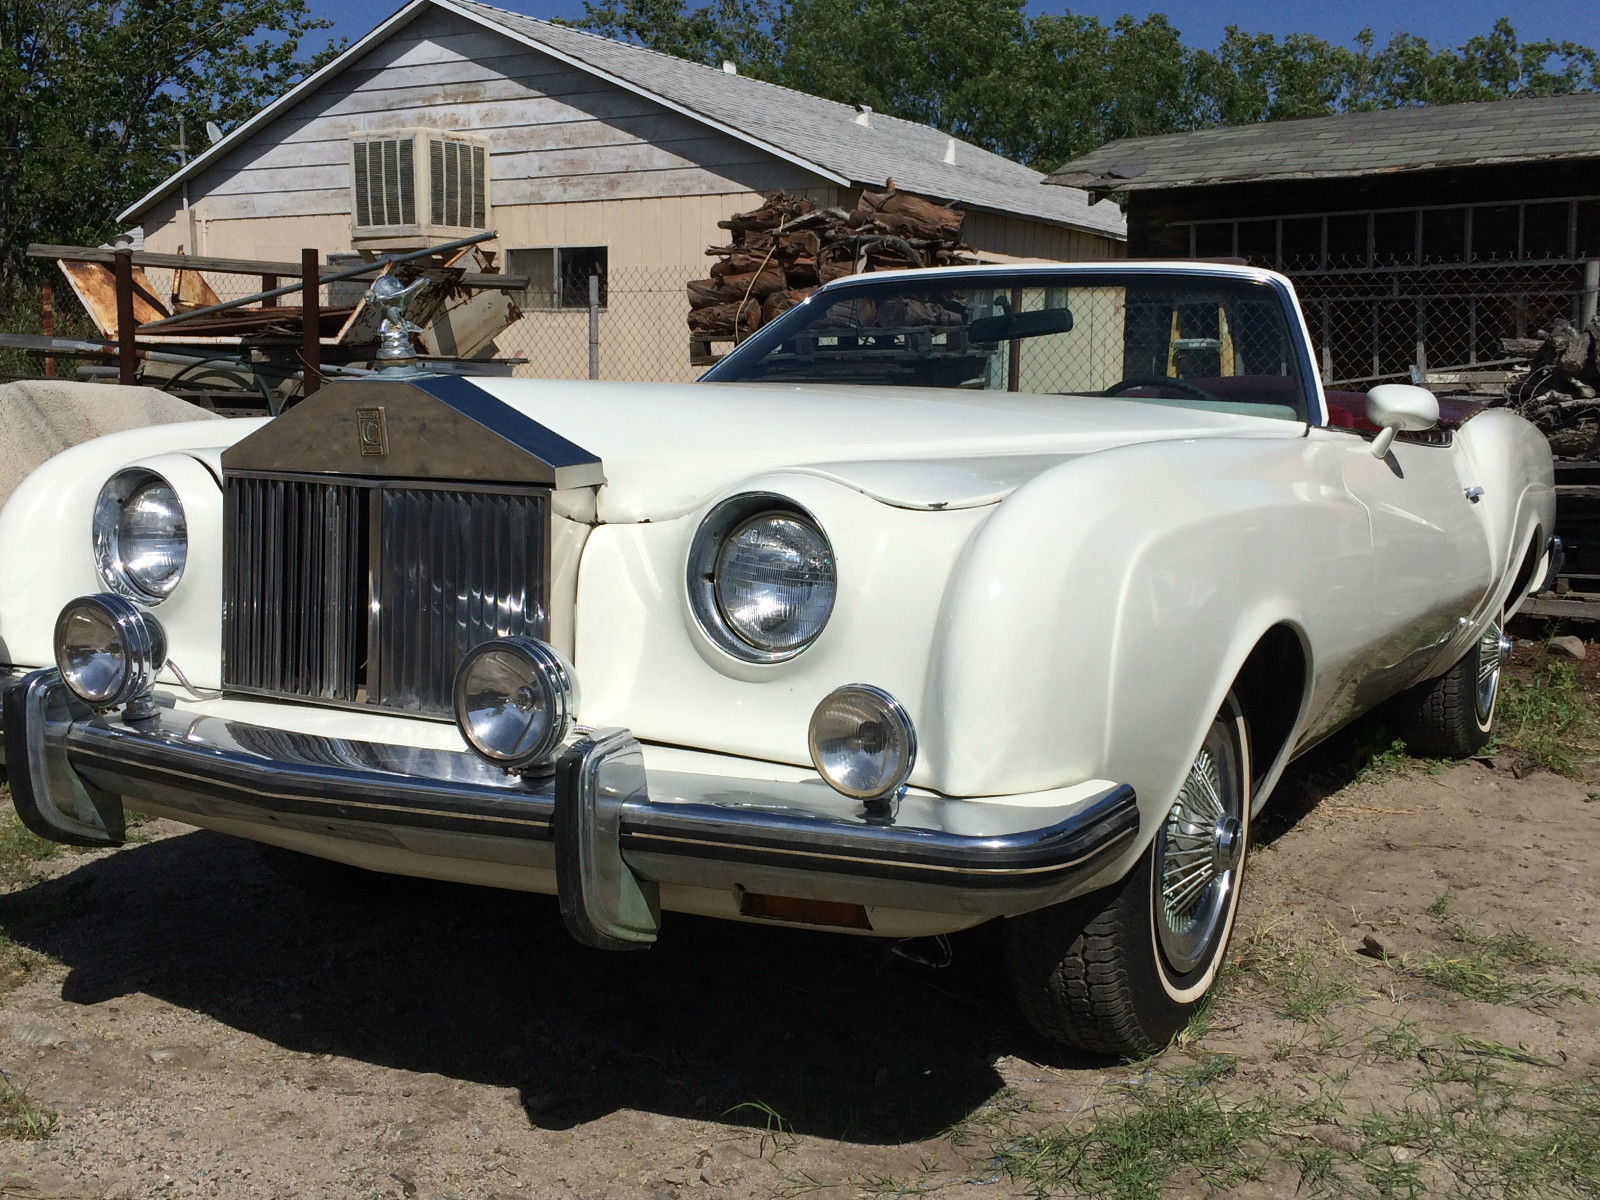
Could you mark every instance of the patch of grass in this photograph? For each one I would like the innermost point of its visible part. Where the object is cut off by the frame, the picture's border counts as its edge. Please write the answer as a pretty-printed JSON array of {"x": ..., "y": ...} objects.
[
  {"x": 1442, "y": 904},
  {"x": 20, "y": 847},
  {"x": 1551, "y": 718},
  {"x": 1305, "y": 977},
  {"x": 1500, "y": 968},
  {"x": 1164, "y": 1125},
  {"x": 21, "y": 1120}
]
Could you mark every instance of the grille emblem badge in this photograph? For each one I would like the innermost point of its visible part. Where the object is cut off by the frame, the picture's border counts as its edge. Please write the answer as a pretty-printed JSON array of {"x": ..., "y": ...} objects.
[{"x": 373, "y": 432}]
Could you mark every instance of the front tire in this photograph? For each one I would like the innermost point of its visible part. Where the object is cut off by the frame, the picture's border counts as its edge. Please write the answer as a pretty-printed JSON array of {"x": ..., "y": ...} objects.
[
  {"x": 1452, "y": 716},
  {"x": 1121, "y": 971}
]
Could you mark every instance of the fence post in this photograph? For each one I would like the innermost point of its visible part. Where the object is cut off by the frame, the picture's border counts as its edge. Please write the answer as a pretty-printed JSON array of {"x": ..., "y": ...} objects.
[
  {"x": 269, "y": 283},
  {"x": 127, "y": 361},
  {"x": 594, "y": 327},
  {"x": 311, "y": 324},
  {"x": 1591, "y": 287},
  {"x": 1421, "y": 363},
  {"x": 47, "y": 322}
]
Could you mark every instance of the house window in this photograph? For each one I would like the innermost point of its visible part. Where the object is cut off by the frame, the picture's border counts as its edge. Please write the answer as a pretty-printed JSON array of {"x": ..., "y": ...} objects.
[
  {"x": 558, "y": 276},
  {"x": 418, "y": 183}
]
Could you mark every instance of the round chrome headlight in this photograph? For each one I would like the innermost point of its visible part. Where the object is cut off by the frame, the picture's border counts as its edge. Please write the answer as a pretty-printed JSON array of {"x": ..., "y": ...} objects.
[
  {"x": 516, "y": 700},
  {"x": 141, "y": 537},
  {"x": 108, "y": 649},
  {"x": 761, "y": 578},
  {"x": 862, "y": 742}
]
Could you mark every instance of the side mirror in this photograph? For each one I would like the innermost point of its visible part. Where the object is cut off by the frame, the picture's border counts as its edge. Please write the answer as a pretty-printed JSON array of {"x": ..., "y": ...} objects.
[{"x": 1399, "y": 406}]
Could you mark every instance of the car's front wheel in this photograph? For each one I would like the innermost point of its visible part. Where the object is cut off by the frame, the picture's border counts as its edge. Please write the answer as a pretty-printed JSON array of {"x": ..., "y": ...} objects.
[{"x": 1121, "y": 971}]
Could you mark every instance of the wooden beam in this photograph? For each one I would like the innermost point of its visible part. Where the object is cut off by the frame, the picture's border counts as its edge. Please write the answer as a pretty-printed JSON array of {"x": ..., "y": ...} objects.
[
  {"x": 127, "y": 362},
  {"x": 311, "y": 321}
]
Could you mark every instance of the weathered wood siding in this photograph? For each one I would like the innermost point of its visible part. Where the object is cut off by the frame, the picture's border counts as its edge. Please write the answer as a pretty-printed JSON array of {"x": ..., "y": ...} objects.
[
  {"x": 555, "y": 134},
  {"x": 1034, "y": 239}
]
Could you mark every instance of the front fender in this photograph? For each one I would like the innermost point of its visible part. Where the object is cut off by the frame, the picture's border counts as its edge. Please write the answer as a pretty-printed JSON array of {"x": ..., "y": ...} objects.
[
  {"x": 1098, "y": 618},
  {"x": 47, "y": 556}
]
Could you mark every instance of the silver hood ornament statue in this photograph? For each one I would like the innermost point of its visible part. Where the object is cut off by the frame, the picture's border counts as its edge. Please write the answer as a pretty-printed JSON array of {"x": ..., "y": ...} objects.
[{"x": 395, "y": 351}]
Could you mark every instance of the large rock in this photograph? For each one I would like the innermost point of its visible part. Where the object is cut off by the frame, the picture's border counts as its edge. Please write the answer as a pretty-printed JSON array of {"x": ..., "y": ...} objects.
[{"x": 39, "y": 418}]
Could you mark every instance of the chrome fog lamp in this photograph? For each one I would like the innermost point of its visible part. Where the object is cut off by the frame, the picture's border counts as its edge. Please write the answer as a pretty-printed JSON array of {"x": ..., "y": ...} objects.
[
  {"x": 516, "y": 700},
  {"x": 141, "y": 536},
  {"x": 862, "y": 742},
  {"x": 108, "y": 650}
]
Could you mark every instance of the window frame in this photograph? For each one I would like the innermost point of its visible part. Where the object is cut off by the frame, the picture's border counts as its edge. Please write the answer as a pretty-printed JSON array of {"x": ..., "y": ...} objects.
[{"x": 524, "y": 299}]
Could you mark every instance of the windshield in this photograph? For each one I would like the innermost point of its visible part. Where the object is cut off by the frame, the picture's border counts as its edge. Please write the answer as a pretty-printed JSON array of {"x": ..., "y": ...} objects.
[{"x": 1197, "y": 340}]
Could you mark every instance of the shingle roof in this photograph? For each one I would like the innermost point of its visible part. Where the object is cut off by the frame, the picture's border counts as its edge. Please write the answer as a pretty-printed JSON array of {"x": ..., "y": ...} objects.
[
  {"x": 1536, "y": 129},
  {"x": 814, "y": 133},
  {"x": 822, "y": 131}
]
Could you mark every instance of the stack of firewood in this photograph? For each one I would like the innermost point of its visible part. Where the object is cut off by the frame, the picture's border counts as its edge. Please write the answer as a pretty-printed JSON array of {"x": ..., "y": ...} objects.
[
  {"x": 781, "y": 251},
  {"x": 1559, "y": 390}
]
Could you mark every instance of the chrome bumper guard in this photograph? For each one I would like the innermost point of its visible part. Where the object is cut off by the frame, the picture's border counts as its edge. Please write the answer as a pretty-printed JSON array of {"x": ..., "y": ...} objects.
[{"x": 615, "y": 833}]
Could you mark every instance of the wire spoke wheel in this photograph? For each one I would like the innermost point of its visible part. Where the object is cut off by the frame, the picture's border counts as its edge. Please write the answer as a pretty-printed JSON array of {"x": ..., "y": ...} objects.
[
  {"x": 1493, "y": 649},
  {"x": 1197, "y": 855}
]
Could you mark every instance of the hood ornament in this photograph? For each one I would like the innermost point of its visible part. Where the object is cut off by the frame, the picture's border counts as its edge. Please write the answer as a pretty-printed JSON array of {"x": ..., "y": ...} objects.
[{"x": 395, "y": 351}]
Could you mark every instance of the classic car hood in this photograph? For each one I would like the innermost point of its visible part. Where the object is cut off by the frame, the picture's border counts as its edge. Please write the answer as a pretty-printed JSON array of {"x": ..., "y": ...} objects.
[{"x": 666, "y": 448}]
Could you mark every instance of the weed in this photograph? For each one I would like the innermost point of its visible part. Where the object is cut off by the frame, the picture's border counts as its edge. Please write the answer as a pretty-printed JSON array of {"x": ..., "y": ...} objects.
[
  {"x": 1307, "y": 977},
  {"x": 1499, "y": 968},
  {"x": 1442, "y": 904},
  {"x": 1551, "y": 719},
  {"x": 1385, "y": 756},
  {"x": 777, "y": 1132},
  {"x": 1166, "y": 1125},
  {"x": 20, "y": 847},
  {"x": 21, "y": 1120}
]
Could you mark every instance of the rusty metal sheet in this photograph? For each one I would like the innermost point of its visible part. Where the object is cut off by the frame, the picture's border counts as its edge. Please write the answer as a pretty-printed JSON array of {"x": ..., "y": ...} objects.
[
  {"x": 96, "y": 288},
  {"x": 467, "y": 324}
]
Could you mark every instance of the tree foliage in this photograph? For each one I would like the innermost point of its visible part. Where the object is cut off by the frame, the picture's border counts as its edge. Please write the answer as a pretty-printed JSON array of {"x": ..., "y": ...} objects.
[
  {"x": 1047, "y": 88},
  {"x": 91, "y": 92}
]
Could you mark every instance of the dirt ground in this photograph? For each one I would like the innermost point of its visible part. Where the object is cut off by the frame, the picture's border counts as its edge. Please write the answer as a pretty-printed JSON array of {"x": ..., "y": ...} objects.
[{"x": 1412, "y": 1009}]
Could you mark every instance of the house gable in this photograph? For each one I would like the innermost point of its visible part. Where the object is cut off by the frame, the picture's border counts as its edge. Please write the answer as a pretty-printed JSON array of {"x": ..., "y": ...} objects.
[{"x": 555, "y": 133}]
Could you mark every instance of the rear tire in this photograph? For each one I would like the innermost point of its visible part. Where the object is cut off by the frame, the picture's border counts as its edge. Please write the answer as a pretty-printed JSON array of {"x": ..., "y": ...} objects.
[
  {"x": 1452, "y": 716},
  {"x": 1121, "y": 971}
]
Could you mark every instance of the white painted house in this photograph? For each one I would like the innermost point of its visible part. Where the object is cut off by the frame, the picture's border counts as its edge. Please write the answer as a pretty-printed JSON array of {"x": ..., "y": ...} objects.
[{"x": 588, "y": 156}]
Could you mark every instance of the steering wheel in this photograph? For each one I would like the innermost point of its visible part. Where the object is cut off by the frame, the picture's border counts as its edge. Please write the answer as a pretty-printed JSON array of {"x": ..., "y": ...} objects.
[{"x": 1160, "y": 381}]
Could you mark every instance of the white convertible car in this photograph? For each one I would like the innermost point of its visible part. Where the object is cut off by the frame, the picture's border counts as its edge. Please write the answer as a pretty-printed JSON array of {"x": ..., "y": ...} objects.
[{"x": 980, "y": 595}]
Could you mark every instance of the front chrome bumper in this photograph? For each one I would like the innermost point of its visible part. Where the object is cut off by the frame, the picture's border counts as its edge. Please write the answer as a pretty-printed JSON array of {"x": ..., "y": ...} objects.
[{"x": 613, "y": 832}]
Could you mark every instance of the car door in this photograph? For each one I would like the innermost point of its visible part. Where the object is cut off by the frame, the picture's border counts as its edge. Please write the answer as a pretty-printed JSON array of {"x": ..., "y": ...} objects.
[{"x": 1430, "y": 564}]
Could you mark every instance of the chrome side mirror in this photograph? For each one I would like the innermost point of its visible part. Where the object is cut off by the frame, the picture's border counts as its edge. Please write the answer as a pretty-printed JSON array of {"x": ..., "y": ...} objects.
[{"x": 1399, "y": 406}]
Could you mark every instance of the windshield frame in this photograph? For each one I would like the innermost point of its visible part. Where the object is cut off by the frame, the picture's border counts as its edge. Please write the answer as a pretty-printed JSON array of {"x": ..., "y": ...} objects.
[{"x": 1310, "y": 407}]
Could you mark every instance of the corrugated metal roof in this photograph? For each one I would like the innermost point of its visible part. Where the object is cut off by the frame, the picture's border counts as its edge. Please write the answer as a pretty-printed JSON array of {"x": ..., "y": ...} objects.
[
  {"x": 821, "y": 131},
  {"x": 1536, "y": 129},
  {"x": 818, "y": 134}
]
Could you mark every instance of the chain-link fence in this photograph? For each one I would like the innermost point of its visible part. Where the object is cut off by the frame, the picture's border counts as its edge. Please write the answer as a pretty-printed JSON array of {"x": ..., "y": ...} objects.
[
  {"x": 1440, "y": 322},
  {"x": 637, "y": 330}
]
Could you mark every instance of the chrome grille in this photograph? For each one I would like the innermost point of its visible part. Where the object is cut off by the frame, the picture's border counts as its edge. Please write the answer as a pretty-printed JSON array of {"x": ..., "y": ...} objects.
[{"x": 367, "y": 594}]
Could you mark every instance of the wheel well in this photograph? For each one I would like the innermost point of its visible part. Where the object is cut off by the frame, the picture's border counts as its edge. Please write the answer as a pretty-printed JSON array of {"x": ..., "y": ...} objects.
[
  {"x": 1270, "y": 687},
  {"x": 1530, "y": 564}
]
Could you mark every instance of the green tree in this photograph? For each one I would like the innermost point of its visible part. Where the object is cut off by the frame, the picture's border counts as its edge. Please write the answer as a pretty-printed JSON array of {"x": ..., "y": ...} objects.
[
  {"x": 91, "y": 92},
  {"x": 1048, "y": 88}
]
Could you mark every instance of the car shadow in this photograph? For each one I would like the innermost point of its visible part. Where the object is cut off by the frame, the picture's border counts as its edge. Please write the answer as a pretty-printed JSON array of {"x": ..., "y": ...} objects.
[{"x": 838, "y": 1035}]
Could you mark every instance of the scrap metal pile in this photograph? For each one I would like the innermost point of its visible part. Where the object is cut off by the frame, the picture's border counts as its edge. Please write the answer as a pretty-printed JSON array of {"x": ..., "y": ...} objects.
[
  {"x": 1560, "y": 389},
  {"x": 783, "y": 250}
]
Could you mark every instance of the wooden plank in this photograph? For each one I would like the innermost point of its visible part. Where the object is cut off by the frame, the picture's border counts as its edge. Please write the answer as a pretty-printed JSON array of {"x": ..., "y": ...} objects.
[
  {"x": 1546, "y": 604},
  {"x": 95, "y": 286}
]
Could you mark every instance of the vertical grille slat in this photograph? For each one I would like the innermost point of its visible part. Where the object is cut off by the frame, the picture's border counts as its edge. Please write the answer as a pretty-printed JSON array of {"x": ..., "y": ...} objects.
[{"x": 368, "y": 595}]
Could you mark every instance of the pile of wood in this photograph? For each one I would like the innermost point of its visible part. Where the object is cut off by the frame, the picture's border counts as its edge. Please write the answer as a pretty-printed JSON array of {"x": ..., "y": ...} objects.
[
  {"x": 780, "y": 252},
  {"x": 1559, "y": 391}
]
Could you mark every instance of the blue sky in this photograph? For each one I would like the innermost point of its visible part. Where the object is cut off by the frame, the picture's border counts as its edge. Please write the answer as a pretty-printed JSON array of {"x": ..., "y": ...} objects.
[{"x": 1201, "y": 21}]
